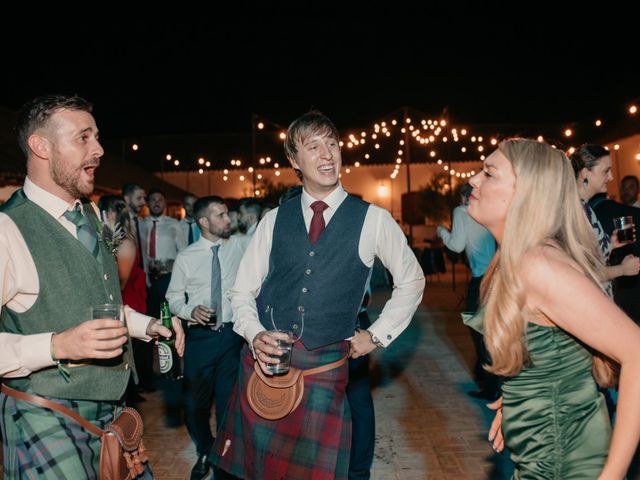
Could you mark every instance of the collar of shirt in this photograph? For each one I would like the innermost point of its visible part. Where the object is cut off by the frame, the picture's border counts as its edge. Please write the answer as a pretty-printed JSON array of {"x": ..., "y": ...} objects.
[
  {"x": 161, "y": 220},
  {"x": 334, "y": 199},
  {"x": 51, "y": 204},
  {"x": 206, "y": 244}
]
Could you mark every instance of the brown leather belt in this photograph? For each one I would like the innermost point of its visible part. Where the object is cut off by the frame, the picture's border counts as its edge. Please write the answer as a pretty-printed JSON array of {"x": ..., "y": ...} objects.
[
  {"x": 45, "y": 403},
  {"x": 325, "y": 368}
]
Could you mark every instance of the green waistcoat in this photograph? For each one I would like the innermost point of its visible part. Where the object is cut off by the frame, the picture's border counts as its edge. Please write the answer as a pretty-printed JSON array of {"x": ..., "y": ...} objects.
[{"x": 70, "y": 281}]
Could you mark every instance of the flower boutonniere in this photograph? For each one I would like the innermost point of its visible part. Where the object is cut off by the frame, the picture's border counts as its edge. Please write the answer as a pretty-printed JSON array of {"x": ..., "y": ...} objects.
[{"x": 111, "y": 233}]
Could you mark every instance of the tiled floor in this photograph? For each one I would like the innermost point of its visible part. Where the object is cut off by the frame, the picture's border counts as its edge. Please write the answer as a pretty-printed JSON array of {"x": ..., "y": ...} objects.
[{"x": 427, "y": 427}]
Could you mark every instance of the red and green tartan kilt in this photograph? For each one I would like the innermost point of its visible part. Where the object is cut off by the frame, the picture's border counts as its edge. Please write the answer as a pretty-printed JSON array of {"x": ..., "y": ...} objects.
[{"x": 312, "y": 443}]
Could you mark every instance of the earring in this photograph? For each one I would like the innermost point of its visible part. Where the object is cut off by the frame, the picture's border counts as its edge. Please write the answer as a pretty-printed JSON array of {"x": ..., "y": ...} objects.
[{"x": 585, "y": 182}]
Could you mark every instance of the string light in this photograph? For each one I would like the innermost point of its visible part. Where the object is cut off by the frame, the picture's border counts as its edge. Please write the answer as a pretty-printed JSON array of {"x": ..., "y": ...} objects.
[{"x": 424, "y": 132}]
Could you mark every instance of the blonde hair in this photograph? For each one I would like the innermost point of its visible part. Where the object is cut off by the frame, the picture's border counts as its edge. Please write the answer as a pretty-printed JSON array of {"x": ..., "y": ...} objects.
[{"x": 545, "y": 208}]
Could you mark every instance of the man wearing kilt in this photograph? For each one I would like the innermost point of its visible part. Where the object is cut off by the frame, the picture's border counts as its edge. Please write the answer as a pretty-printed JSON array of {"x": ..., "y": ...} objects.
[
  {"x": 309, "y": 261},
  {"x": 53, "y": 266}
]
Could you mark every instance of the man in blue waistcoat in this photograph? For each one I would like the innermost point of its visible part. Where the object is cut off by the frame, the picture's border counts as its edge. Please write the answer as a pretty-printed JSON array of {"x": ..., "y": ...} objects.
[
  {"x": 309, "y": 261},
  {"x": 54, "y": 265}
]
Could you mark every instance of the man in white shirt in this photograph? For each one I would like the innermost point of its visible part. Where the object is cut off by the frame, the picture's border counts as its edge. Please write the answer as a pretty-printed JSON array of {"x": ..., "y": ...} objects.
[
  {"x": 189, "y": 224},
  {"x": 249, "y": 215},
  {"x": 53, "y": 266},
  {"x": 162, "y": 239},
  {"x": 135, "y": 198},
  {"x": 310, "y": 260},
  {"x": 212, "y": 349},
  {"x": 479, "y": 246}
]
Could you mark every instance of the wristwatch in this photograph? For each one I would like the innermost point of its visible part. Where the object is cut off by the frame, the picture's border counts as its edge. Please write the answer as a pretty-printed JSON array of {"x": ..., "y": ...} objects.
[{"x": 375, "y": 339}]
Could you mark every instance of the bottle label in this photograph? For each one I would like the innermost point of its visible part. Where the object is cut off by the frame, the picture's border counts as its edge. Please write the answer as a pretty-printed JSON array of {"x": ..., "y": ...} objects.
[{"x": 165, "y": 357}]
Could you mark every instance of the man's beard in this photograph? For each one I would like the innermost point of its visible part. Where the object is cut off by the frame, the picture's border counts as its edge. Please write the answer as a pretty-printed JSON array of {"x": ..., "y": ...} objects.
[
  {"x": 69, "y": 179},
  {"x": 222, "y": 233}
]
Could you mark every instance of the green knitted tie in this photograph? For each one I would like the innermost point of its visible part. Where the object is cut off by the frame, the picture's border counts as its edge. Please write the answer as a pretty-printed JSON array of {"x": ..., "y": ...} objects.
[{"x": 85, "y": 232}]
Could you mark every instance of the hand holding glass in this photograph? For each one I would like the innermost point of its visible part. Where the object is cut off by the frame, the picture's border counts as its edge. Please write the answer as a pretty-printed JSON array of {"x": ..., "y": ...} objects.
[
  {"x": 285, "y": 343},
  {"x": 113, "y": 311},
  {"x": 213, "y": 316},
  {"x": 107, "y": 310},
  {"x": 625, "y": 229}
]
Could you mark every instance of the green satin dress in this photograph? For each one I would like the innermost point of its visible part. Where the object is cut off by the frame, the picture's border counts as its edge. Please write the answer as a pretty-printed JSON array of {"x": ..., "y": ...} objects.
[{"x": 555, "y": 422}]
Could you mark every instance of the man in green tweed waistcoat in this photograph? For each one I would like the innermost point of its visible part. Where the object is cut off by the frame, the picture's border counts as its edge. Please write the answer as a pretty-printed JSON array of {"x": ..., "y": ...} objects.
[{"x": 53, "y": 266}]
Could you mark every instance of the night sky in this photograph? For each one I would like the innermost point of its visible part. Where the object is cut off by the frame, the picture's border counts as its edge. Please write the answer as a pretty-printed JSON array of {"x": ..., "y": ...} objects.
[{"x": 202, "y": 73}]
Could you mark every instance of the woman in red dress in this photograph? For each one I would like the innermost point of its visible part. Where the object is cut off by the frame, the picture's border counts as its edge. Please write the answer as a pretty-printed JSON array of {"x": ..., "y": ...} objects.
[{"x": 117, "y": 221}]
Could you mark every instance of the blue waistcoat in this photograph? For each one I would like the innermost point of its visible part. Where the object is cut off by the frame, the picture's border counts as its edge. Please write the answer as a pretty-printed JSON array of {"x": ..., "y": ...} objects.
[{"x": 316, "y": 290}]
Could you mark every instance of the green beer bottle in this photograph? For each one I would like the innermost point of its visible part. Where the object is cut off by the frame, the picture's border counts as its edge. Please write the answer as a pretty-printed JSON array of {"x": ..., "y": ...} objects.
[{"x": 167, "y": 355}]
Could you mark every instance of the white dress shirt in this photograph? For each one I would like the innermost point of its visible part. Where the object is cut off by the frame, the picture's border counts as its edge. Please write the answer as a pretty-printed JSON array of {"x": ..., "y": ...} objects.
[
  {"x": 170, "y": 238},
  {"x": 19, "y": 286},
  {"x": 192, "y": 274},
  {"x": 380, "y": 237},
  {"x": 468, "y": 235}
]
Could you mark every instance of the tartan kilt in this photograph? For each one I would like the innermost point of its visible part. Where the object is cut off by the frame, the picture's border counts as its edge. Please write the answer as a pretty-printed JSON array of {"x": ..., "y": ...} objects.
[
  {"x": 42, "y": 444},
  {"x": 313, "y": 442}
]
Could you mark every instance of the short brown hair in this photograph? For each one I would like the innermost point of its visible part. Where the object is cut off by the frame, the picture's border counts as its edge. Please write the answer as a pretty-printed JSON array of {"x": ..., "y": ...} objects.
[
  {"x": 303, "y": 127},
  {"x": 36, "y": 113}
]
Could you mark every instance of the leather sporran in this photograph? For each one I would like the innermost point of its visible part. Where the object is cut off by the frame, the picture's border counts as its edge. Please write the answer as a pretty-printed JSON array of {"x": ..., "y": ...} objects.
[
  {"x": 273, "y": 398},
  {"x": 122, "y": 455}
]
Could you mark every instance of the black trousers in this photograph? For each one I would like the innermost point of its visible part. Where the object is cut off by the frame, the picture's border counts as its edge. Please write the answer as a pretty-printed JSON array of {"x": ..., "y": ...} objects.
[
  {"x": 211, "y": 360},
  {"x": 363, "y": 421}
]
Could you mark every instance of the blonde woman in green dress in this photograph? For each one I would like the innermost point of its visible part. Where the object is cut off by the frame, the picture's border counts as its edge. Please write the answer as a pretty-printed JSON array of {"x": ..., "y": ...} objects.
[{"x": 545, "y": 313}]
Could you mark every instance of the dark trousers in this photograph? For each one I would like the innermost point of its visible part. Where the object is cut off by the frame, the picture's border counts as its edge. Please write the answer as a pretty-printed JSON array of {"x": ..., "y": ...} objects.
[
  {"x": 363, "y": 422},
  {"x": 211, "y": 360},
  {"x": 486, "y": 380}
]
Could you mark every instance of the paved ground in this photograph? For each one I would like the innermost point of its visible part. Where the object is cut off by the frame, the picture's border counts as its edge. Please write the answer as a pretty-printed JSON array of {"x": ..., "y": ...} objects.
[{"x": 427, "y": 427}]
